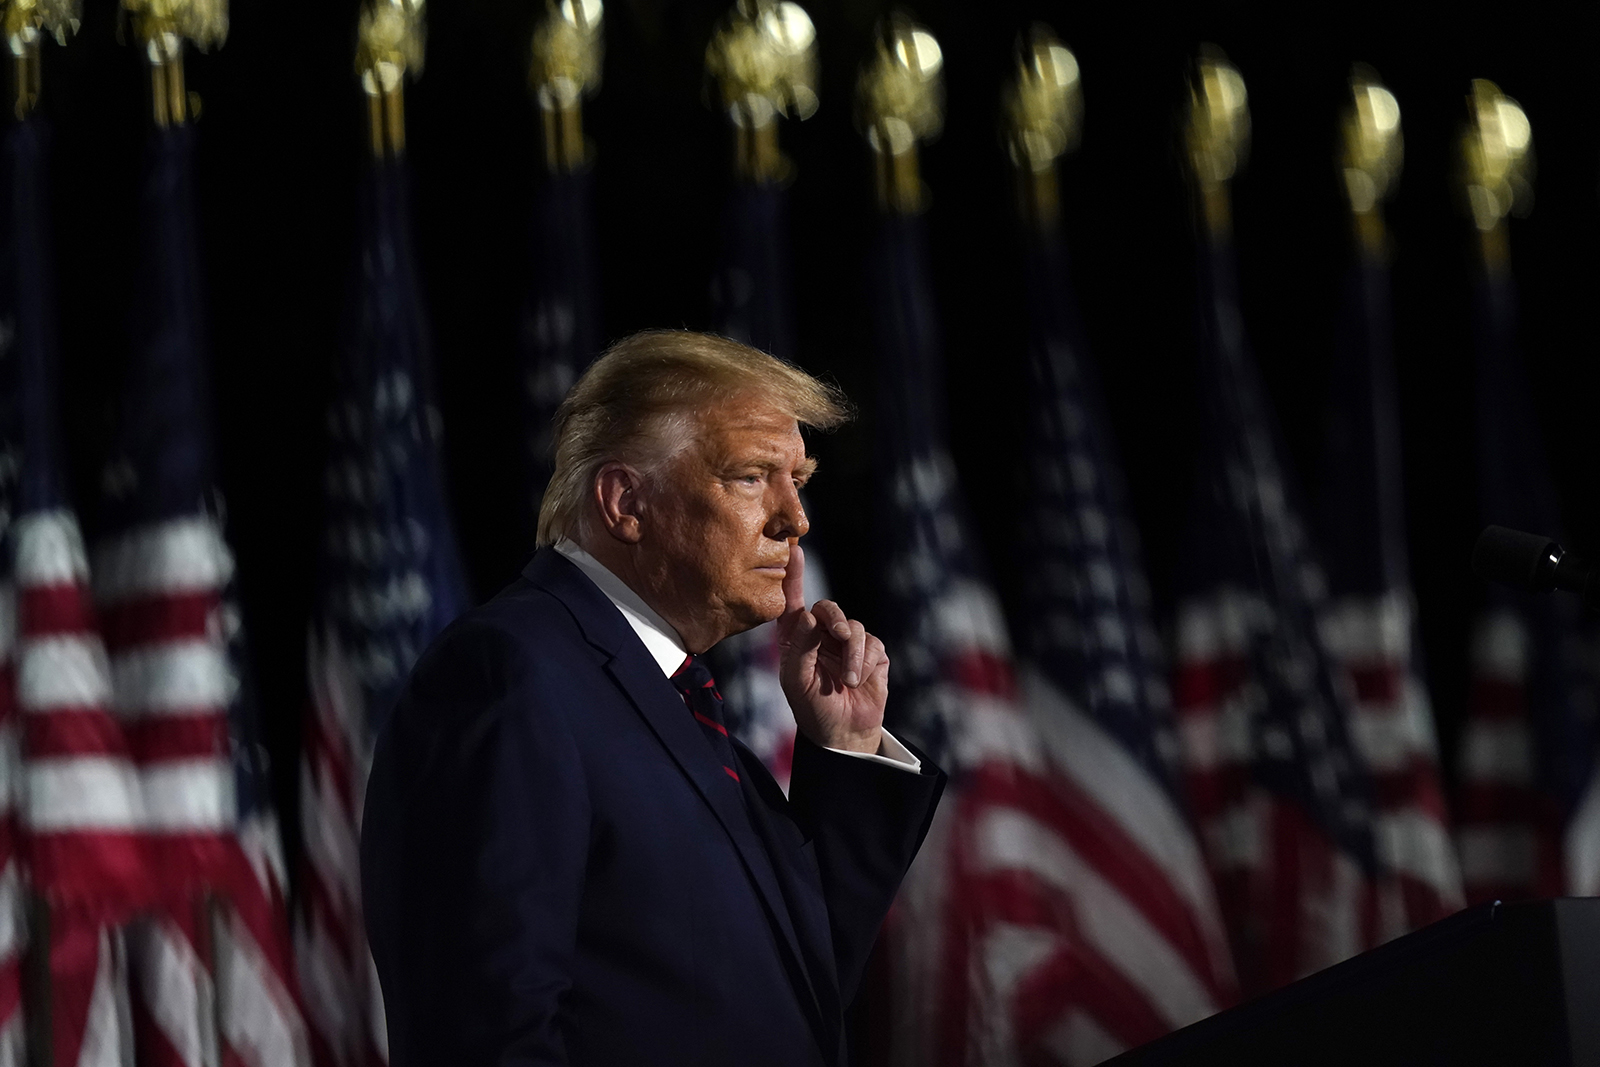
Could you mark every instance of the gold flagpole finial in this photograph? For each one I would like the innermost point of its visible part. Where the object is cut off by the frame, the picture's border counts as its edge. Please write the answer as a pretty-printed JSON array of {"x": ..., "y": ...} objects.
[
  {"x": 901, "y": 100},
  {"x": 24, "y": 21},
  {"x": 1373, "y": 150},
  {"x": 1497, "y": 156},
  {"x": 567, "y": 50},
  {"x": 764, "y": 60},
  {"x": 1218, "y": 132},
  {"x": 162, "y": 27},
  {"x": 1043, "y": 114},
  {"x": 389, "y": 46}
]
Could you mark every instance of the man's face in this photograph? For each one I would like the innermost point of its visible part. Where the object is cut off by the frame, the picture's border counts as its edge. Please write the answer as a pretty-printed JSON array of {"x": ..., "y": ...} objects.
[{"x": 719, "y": 518}]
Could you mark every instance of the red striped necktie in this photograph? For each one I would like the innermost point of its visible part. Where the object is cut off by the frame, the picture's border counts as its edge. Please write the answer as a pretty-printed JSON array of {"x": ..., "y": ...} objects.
[{"x": 699, "y": 690}]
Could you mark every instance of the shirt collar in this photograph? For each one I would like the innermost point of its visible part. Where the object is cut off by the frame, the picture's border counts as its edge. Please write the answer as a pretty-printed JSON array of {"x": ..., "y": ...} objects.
[{"x": 660, "y": 639}]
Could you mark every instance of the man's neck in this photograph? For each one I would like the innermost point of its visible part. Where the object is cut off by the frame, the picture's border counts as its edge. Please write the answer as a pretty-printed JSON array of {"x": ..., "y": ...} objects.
[
  {"x": 660, "y": 639},
  {"x": 622, "y": 561}
]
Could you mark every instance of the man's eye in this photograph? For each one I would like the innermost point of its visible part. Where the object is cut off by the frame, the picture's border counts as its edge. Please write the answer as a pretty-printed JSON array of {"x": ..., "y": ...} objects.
[{"x": 751, "y": 479}]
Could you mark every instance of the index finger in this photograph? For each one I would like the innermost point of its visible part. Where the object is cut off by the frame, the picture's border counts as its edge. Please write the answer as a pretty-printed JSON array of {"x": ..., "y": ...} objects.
[{"x": 794, "y": 589}]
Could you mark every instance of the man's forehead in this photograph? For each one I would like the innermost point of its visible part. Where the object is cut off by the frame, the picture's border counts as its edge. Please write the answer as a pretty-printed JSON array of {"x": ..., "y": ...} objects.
[
  {"x": 746, "y": 416},
  {"x": 748, "y": 426}
]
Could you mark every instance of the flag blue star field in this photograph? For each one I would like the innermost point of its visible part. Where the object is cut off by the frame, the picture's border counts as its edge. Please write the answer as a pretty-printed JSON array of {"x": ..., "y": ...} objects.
[
  {"x": 389, "y": 581},
  {"x": 1528, "y": 825},
  {"x": 750, "y": 297},
  {"x": 561, "y": 318},
  {"x": 163, "y": 582},
  {"x": 972, "y": 909},
  {"x": 1281, "y": 797},
  {"x": 1145, "y": 923},
  {"x": 1369, "y": 622}
]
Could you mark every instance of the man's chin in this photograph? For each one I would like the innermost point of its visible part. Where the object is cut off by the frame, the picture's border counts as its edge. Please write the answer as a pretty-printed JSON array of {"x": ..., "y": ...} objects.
[{"x": 758, "y": 610}]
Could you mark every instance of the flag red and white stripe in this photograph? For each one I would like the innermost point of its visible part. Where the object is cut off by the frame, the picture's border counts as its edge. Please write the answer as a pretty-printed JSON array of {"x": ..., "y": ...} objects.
[
  {"x": 1146, "y": 951},
  {"x": 82, "y": 811},
  {"x": 946, "y": 1007},
  {"x": 1391, "y": 725},
  {"x": 1059, "y": 912},
  {"x": 1294, "y": 902},
  {"x": 344, "y": 1005},
  {"x": 210, "y": 964},
  {"x": 1509, "y": 830}
]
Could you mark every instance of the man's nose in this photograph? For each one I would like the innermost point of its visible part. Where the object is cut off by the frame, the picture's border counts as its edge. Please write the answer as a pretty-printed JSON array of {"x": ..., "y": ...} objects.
[{"x": 789, "y": 519}]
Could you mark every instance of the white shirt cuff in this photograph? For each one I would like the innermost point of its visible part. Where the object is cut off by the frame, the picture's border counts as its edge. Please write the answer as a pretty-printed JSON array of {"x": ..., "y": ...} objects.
[{"x": 890, "y": 752}]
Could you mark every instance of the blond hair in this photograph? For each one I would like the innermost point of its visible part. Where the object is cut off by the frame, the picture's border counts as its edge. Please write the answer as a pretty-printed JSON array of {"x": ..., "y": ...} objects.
[{"x": 629, "y": 401}]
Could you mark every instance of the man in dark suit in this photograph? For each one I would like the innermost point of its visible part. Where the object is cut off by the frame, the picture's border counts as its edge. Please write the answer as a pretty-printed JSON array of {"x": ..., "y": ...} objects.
[{"x": 565, "y": 857}]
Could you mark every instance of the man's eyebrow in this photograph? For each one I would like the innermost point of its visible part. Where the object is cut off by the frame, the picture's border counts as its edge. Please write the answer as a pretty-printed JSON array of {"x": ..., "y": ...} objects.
[{"x": 807, "y": 468}]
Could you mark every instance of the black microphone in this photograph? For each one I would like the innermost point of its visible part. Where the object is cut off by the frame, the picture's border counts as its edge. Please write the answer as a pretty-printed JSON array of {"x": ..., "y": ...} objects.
[{"x": 1530, "y": 561}]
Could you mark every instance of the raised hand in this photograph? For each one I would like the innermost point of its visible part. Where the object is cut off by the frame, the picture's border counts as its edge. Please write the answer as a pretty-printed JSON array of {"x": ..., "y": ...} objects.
[{"x": 834, "y": 674}]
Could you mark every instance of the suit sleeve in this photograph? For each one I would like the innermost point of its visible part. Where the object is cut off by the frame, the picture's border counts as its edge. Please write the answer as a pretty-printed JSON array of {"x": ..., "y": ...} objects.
[
  {"x": 866, "y": 822},
  {"x": 474, "y": 844}
]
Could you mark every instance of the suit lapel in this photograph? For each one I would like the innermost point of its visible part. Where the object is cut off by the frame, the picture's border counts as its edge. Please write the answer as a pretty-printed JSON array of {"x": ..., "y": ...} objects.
[
  {"x": 664, "y": 711},
  {"x": 638, "y": 675}
]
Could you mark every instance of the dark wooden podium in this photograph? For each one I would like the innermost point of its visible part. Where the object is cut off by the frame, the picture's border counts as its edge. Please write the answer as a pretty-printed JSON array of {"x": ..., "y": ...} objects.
[{"x": 1513, "y": 984}]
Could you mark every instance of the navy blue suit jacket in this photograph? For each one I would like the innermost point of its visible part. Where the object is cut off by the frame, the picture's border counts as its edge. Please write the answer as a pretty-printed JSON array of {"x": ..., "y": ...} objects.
[{"x": 556, "y": 868}]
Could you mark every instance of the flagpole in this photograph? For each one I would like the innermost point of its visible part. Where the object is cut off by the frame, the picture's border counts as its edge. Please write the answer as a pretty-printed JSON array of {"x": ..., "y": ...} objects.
[
  {"x": 1372, "y": 152},
  {"x": 763, "y": 58},
  {"x": 567, "y": 50},
  {"x": 389, "y": 47},
  {"x": 1497, "y": 157},
  {"x": 162, "y": 27},
  {"x": 900, "y": 97},
  {"x": 163, "y": 50},
  {"x": 22, "y": 41},
  {"x": 1217, "y": 136},
  {"x": 23, "y": 22},
  {"x": 1043, "y": 115}
]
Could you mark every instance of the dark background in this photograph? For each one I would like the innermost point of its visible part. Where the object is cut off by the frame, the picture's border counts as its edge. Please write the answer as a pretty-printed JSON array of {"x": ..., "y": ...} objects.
[{"x": 282, "y": 145}]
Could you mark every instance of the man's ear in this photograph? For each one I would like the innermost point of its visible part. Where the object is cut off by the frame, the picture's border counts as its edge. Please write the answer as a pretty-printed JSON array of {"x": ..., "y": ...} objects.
[{"x": 618, "y": 494}]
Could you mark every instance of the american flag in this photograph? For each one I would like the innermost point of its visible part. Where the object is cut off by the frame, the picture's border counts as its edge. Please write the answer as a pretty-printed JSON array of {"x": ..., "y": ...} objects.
[
  {"x": 1528, "y": 745},
  {"x": 210, "y": 962},
  {"x": 73, "y": 807},
  {"x": 1145, "y": 951},
  {"x": 389, "y": 581},
  {"x": 977, "y": 911},
  {"x": 750, "y": 298},
  {"x": 561, "y": 317},
  {"x": 21, "y": 313},
  {"x": 1280, "y": 793},
  {"x": 1368, "y": 623}
]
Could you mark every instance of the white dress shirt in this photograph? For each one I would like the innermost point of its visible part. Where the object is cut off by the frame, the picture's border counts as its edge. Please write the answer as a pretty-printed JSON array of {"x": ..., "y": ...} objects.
[{"x": 666, "y": 648}]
